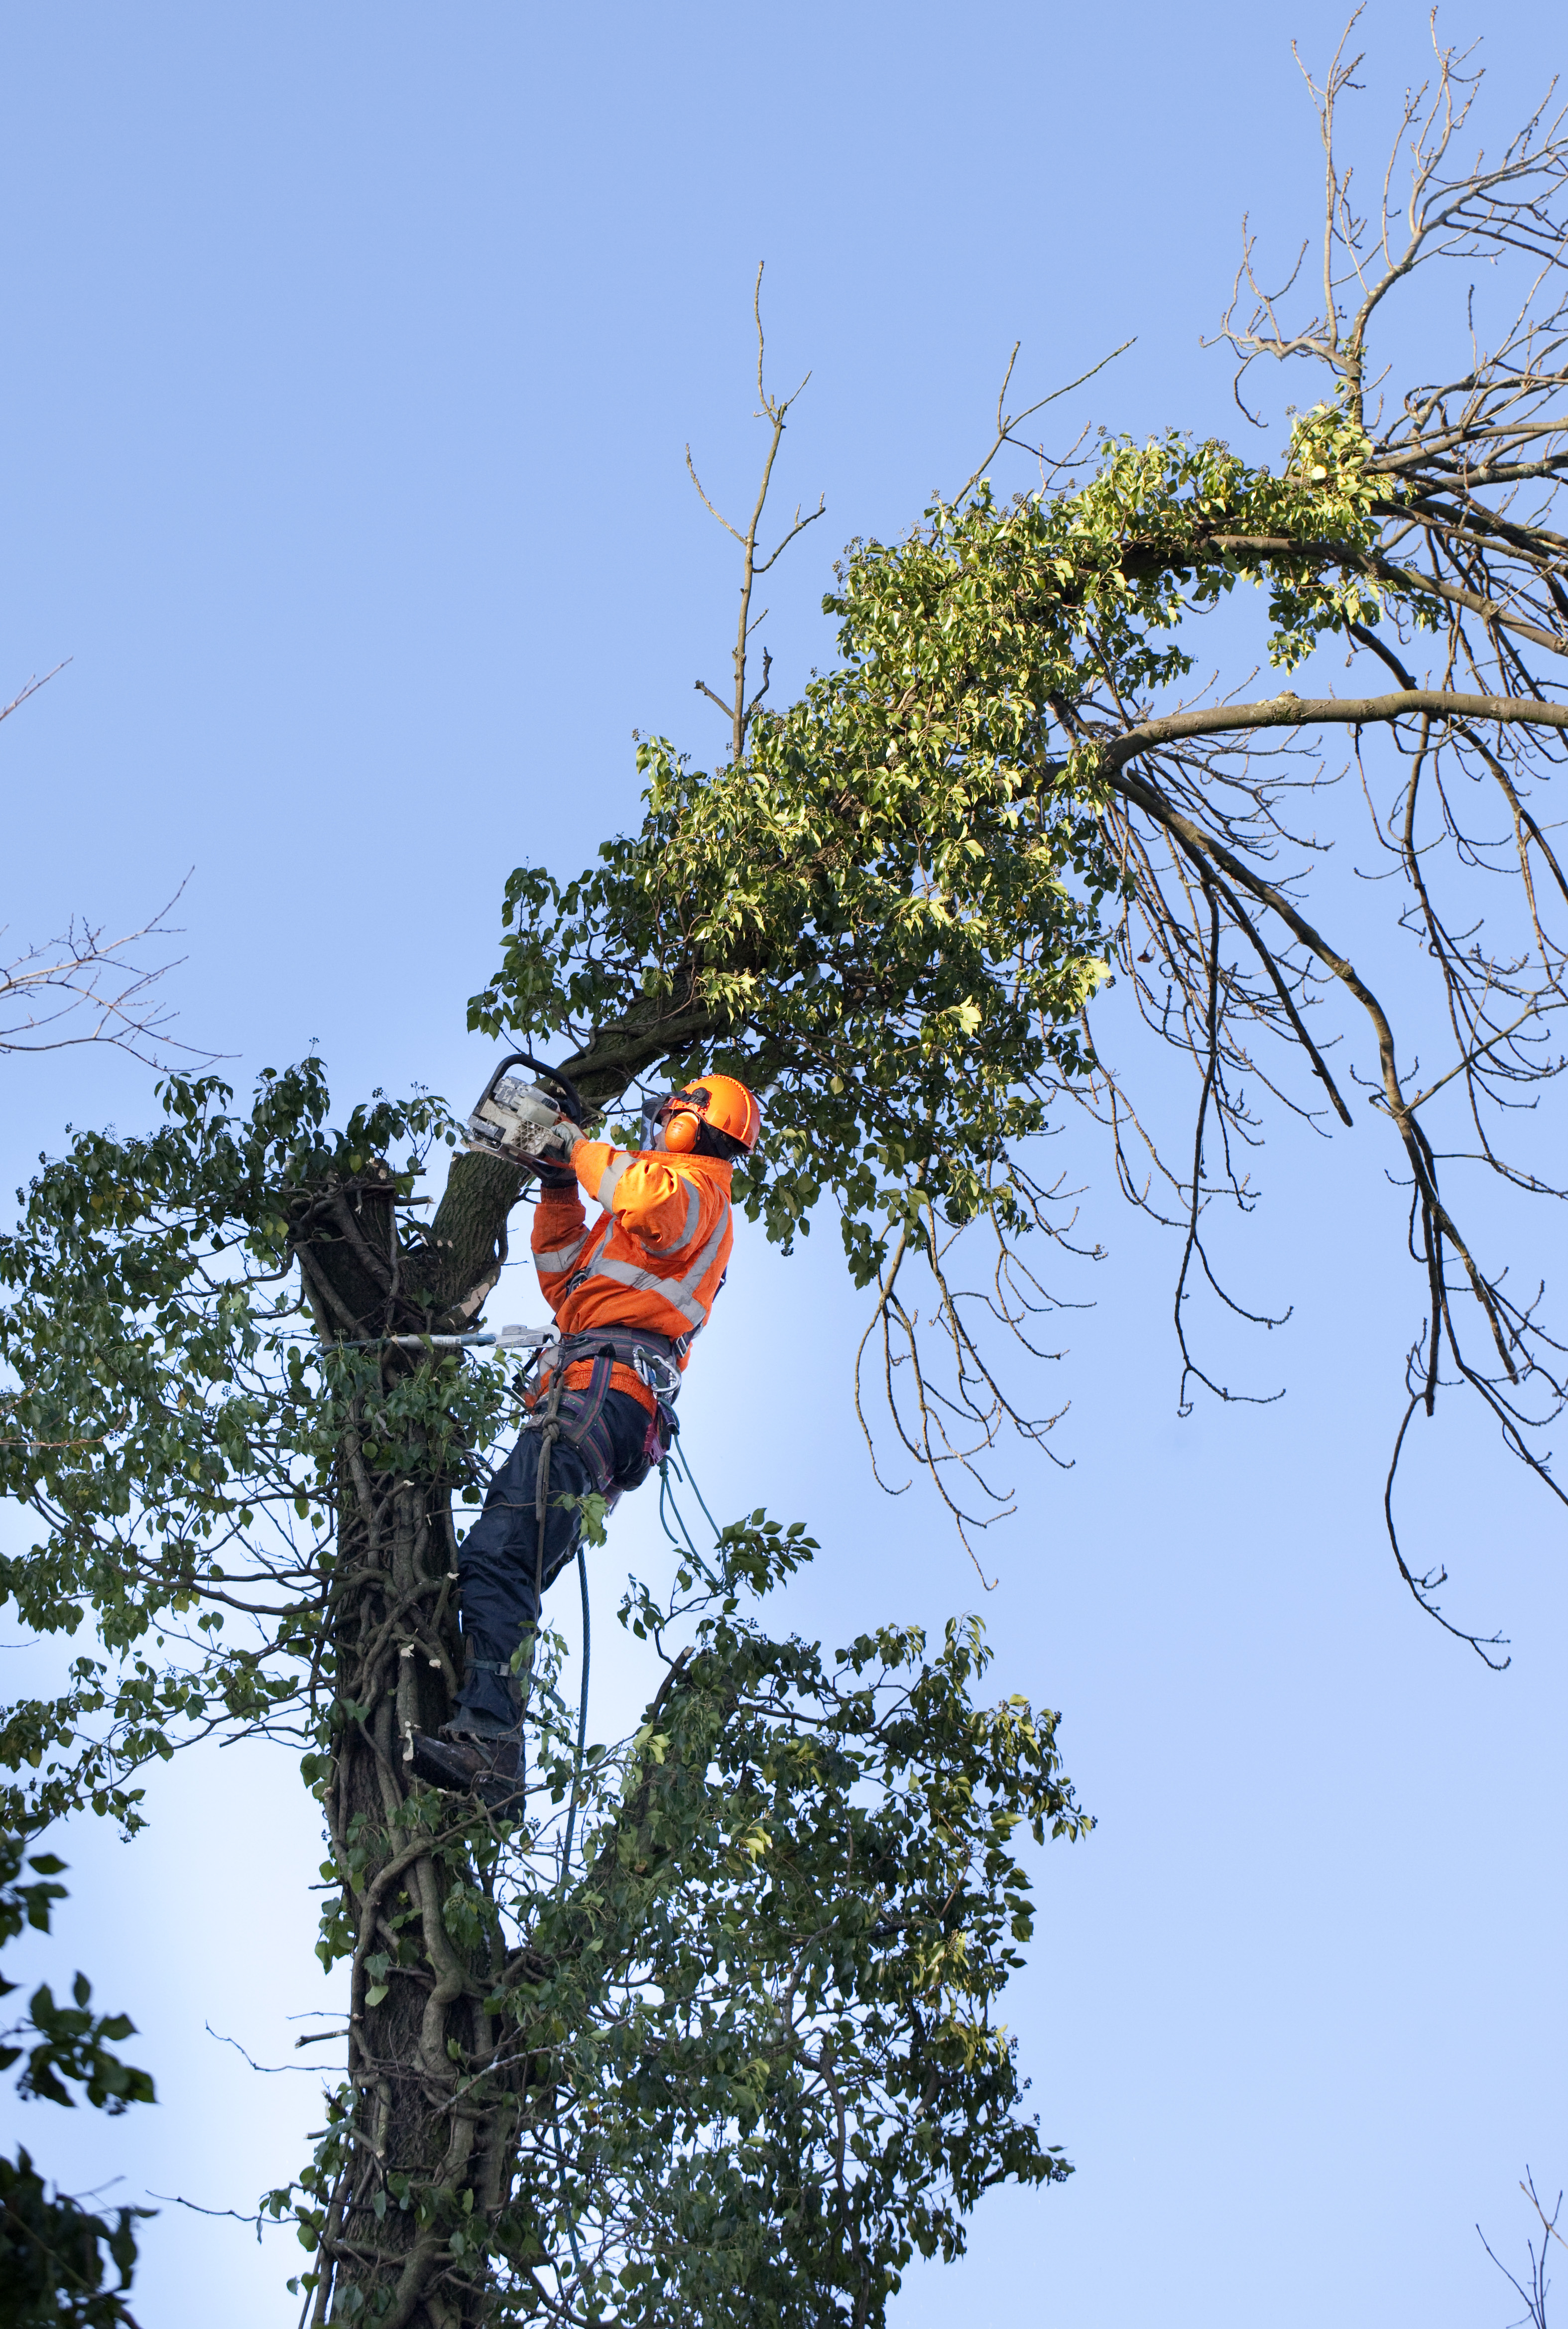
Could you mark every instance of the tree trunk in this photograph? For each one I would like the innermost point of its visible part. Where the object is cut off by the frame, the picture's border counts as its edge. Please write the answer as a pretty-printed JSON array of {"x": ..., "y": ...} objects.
[
  {"x": 423, "y": 2134},
  {"x": 416, "y": 2173}
]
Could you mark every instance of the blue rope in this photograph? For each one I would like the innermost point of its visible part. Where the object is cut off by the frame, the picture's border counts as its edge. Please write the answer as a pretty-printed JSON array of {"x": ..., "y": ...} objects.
[
  {"x": 567, "y": 1852},
  {"x": 689, "y": 1477},
  {"x": 582, "y": 1718},
  {"x": 682, "y": 1542}
]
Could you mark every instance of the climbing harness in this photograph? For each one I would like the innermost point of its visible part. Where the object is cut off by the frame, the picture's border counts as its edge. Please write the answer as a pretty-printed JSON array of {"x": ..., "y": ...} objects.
[{"x": 654, "y": 1359}]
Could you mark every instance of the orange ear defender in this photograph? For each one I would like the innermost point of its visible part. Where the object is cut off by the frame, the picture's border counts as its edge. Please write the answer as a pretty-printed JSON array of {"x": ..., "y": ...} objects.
[{"x": 722, "y": 1101}]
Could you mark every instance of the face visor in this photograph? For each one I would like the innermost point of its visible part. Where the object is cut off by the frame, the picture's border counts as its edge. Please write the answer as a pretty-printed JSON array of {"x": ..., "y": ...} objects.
[{"x": 656, "y": 1113}]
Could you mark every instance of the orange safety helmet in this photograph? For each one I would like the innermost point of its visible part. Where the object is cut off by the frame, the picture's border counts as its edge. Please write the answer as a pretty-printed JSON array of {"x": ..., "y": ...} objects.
[{"x": 720, "y": 1100}]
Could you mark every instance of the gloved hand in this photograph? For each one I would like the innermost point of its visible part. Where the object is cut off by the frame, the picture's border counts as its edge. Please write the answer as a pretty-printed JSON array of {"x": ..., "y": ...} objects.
[{"x": 559, "y": 1142}]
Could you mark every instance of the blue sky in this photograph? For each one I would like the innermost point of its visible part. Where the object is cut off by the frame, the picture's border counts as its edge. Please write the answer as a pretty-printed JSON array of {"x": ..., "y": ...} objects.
[{"x": 351, "y": 355}]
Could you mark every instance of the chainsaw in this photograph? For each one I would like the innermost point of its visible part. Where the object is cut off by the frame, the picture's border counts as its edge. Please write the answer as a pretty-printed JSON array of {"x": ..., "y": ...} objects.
[{"x": 511, "y": 1119}]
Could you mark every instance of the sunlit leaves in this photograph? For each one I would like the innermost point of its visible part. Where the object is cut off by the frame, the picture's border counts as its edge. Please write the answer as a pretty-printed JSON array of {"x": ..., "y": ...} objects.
[{"x": 893, "y": 913}]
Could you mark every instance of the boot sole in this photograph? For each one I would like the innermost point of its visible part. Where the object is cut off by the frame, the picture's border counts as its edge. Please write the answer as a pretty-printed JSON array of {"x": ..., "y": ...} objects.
[{"x": 445, "y": 1767}]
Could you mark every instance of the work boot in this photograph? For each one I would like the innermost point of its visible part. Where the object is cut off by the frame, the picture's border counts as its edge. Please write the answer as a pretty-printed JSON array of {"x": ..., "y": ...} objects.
[{"x": 489, "y": 1769}]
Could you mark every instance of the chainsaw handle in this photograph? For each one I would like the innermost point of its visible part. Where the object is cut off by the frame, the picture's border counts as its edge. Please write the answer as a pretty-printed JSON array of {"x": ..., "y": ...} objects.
[{"x": 574, "y": 1107}]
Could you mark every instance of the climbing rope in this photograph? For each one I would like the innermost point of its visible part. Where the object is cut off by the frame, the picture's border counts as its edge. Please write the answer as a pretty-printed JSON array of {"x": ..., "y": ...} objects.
[
  {"x": 582, "y": 1720},
  {"x": 683, "y": 1545},
  {"x": 668, "y": 1506},
  {"x": 550, "y": 1432}
]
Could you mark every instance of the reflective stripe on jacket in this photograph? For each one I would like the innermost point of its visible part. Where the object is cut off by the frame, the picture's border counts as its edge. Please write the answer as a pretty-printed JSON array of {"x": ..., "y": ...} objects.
[{"x": 654, "y": 1260}]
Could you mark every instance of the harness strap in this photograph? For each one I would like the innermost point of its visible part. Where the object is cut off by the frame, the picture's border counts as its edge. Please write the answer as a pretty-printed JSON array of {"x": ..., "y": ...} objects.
[
  {"x": 653, "y": 1358},
  {"x": 577, "y": 1427},
  {"x": 584, "y": 1428},
  {"x": 597, "y": 1450},
  {"x": 623, "y": 1340}
]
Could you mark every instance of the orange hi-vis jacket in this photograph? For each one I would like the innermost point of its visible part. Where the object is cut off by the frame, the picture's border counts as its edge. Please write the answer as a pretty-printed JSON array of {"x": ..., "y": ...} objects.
[{"x": 656, "y": 1258}]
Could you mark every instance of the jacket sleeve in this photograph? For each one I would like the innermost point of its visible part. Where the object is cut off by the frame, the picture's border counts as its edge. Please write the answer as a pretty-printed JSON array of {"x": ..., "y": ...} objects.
[
  {"x": 559, "y": 1239},
  {"x": 650, "y": 1199}
]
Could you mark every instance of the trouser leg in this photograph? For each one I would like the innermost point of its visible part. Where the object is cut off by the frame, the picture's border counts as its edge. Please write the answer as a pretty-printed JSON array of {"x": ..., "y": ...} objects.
[
  {"x": 498, "y": 1562},
  {"x": 499, "y": 1578},
  {"x": 499, "y": 1559}
]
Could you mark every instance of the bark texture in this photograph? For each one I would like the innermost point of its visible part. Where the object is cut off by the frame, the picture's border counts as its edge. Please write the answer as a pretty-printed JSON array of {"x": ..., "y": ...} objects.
[
  {"x": 422, "y": 2123},
  {"x": 442, "y": 2092}
]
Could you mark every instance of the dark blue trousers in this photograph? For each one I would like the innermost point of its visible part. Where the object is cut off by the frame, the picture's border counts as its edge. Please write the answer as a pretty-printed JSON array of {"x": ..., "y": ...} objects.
[{"x": 498, "y": 1562}]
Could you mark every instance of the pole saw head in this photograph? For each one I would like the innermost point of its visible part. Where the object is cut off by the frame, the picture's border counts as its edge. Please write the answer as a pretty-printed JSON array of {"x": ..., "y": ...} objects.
[{"x": 511, "y": 1119}]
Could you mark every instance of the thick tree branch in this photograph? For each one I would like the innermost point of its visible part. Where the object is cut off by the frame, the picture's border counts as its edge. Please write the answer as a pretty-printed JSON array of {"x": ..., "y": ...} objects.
[{"x": 1288, "y": 710}]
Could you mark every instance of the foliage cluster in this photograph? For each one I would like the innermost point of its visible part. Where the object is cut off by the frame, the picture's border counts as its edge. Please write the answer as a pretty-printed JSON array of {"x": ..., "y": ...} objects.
[
  {"x": 764, "y": 2067},
  {"x": 894, "y": 913},
  {"x": 758, "y": 2016},
  {"x": 171, "y": 1426},
  {"x": 900, "y": 905},
  {"x": 55, "y": 2252}
]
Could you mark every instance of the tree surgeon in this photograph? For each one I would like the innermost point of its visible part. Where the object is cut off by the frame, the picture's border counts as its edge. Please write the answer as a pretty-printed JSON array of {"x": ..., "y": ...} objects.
[{"x": 629, "y": 1294}]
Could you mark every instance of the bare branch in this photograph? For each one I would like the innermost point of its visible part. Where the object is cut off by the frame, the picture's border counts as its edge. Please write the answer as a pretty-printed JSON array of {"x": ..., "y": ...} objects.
[
  {"x": 85, "y": 988},
  {"x": 32, "y": 688},
  {"x": 1006, "y": 423},
  {"x": 775, "y": 409}
]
